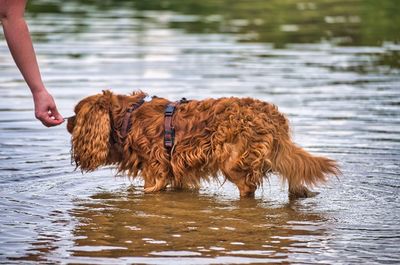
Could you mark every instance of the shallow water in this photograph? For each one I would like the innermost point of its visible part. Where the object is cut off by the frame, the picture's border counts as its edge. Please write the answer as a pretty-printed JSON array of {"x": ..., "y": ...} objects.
[{"x": 338, "y": 83}]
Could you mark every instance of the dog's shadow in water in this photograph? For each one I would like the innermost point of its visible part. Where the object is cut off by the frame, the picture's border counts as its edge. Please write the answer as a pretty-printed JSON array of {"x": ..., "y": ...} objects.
[{"x": 140, "y": 224}]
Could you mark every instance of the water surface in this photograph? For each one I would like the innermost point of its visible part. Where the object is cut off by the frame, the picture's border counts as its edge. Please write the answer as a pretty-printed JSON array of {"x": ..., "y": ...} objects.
[{"x": 331, "y": 66}]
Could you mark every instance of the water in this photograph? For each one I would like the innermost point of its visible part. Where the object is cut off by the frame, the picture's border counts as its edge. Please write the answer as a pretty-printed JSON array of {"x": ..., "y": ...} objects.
[{"x": 326, "y": 64}]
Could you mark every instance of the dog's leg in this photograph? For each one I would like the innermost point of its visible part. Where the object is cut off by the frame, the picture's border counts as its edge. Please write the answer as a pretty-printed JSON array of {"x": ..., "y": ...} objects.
[
  {"x": 300, "y": 191},
  {"x": 148, "y": 183},
  {"x": 233, "y": 168},
  {"x": 160, "y": 184},
  {"x": 246, "y": 189},
  {"x": 155, "y": 177}
]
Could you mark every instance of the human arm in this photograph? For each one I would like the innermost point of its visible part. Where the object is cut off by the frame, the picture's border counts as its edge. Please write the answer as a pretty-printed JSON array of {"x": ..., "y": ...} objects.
[{"x": 20, "y": 44}]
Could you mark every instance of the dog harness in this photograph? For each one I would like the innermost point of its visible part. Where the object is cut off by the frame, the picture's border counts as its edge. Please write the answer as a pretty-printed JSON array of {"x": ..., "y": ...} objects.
[
  {"x": 119, "y": 136},
  {"x": 126, "y": 125},
  {"x": 169, "y": 129}
]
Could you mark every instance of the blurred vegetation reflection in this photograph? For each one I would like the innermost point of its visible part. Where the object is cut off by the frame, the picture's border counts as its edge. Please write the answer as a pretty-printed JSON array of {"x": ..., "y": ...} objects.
[{"x": 350, "y": 22}]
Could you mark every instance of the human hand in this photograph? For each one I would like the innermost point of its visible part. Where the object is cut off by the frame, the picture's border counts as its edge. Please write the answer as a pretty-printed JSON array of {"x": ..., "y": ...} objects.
[{"x": 46, "y": 109}]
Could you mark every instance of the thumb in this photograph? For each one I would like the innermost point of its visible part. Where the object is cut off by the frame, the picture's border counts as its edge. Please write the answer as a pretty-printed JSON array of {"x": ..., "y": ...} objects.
[{"x": 56, "y": 114}]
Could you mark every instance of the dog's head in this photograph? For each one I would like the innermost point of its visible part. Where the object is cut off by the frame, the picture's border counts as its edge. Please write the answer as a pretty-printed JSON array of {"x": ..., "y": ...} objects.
[{"x": 91, "y": 129}]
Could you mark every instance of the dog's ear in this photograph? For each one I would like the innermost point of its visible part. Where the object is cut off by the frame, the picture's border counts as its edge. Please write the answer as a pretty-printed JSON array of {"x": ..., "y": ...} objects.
[{"x": 91, "y": 133}]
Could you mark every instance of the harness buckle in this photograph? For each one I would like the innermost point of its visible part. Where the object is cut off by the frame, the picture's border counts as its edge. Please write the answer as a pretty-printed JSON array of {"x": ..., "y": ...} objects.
[
  {"x": 169, "y": 110},
  {"x": 183, "y": 100}
]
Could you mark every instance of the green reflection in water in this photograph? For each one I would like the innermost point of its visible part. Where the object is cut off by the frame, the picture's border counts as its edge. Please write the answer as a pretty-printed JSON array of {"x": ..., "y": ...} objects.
[
  {"x": 280, "y": 23},
  {"x": 350, "y": 22}
]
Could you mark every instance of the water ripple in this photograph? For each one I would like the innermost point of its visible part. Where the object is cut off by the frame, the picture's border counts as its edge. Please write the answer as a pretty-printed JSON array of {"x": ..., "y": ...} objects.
[{"x": 343, "y": 102}]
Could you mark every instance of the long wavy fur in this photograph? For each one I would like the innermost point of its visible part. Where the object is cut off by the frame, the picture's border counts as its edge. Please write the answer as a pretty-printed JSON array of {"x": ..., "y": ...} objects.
[{"x": 243, "y": 138}]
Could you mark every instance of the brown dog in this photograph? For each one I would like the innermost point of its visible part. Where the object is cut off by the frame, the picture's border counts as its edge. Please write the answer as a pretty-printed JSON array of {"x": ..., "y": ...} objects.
[{"x": 244, "y": 139}]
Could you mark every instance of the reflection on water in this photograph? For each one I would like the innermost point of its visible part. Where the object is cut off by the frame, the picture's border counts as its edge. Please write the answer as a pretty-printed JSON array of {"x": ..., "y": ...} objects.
[
  {"x": 183, "y": 224},
  {"x": 331, "y": 66},
  {"x": 353, "y": 22}
]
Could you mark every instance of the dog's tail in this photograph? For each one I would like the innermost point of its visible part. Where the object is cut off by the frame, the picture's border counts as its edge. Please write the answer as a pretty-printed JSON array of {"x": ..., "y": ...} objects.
[{"x": 299, "y": 167}]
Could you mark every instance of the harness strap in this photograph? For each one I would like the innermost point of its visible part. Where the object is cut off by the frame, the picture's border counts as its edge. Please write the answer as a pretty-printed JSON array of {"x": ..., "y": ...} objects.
[
  {"x": 169, "y": 130},
  {"x": 118, "y": 136},
  {"x": 127, "y": 123}
]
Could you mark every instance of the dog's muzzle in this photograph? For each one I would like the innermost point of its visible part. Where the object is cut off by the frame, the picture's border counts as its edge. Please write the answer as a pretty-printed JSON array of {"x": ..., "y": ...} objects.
[{"x": 70, "y": 123}]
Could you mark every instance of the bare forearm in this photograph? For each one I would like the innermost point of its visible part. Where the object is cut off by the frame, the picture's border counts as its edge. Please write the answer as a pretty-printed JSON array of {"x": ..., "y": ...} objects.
[{"x": 20, "y": 44}]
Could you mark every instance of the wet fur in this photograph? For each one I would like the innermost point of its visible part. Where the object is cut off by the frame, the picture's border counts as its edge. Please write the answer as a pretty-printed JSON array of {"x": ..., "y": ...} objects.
[{"x": 243, "y": 138}]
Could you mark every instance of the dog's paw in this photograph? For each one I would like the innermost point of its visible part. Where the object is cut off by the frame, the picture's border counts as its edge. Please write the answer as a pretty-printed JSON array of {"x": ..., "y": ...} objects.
[{"x": 302, "y": 193}]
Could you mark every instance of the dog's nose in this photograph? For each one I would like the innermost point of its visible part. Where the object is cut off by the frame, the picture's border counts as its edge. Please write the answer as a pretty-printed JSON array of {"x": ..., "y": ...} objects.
[{"x": 70, "y": 123}]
